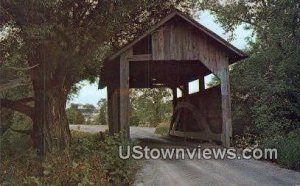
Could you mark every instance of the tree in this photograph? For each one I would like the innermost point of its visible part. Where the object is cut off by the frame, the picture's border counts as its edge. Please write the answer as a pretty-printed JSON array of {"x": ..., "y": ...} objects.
[
  {"x": 6, "y": 117},
  {"x": 102, "y": 116},
  {"x": 134, "y": 116},
  {"x": 150, "y": 105},
  {"x": 88, "y": 109},
  {"x": 14, "y": 83},
  {"x": 265, "y": 87},
  {"x": 74, "y": 116},
  {"x": 63, "y": 42},
  {"x": 213, "y": 82}
]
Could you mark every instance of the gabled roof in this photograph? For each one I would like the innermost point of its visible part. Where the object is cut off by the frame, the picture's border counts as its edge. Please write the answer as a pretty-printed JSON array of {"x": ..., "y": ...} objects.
[{"x": 240, "y": 54}]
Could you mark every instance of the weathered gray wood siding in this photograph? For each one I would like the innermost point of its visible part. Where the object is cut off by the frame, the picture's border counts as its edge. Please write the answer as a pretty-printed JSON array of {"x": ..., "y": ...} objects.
[{"x": 178, "y": 40}]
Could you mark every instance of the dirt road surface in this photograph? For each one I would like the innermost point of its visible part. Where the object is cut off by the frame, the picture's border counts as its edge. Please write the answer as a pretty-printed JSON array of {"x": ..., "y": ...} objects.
[{"x": 200, "y": 172}]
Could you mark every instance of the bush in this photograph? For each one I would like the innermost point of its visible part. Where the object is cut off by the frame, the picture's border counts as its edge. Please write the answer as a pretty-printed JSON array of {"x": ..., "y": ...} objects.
[
  {"x": 119, "y": 171},
  {"x": 92, "y": 160},
  {"x": 74, "y": 116},
  {"x": 162, "y": 129},
  {"x": 12, "y": 142},
  {"x": 246, "y": 140},
  {"x": 288, "y": 149}
]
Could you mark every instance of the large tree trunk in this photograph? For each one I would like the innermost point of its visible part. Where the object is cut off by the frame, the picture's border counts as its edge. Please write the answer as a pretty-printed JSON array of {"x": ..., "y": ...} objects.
[{"x": 51, "y": 131}]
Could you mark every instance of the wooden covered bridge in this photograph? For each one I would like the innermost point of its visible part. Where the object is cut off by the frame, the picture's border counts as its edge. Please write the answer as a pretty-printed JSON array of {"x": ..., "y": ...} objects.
[{"x": 174, "y": 52}]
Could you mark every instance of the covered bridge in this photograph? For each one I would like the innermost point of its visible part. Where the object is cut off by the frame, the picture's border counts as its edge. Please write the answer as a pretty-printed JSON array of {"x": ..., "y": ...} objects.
[{"x": 174, "y": 52}]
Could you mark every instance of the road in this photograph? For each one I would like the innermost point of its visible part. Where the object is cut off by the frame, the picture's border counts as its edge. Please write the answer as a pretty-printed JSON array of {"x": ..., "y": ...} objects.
[{"x": 201, "y": 172}]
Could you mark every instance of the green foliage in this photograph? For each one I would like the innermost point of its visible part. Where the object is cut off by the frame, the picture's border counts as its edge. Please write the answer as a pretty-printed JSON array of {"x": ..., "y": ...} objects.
[
  {"x": 93, "y": 160},
  {"x": 14, "y": 142},
  {"x": 213, "y": 82},
  {"x": 266, "y": 86},
  {"x": 85, "y": 144},
  {"x": 74, "y": 36},
  {"x": 102, "y": 116},
  {"x": 61, "y": 43},
  {"x": 288, "y": 149},
  {"x": 162, "y": 129},
  {"x": 245, "y": 140},
  {"x": 74, "y": 116},
  {"x": 118, "y": 170},
  {"x": 7, "y": 74},
  {"x": 6, "y": 117},
  {"x": 150, "y": 106},
  {"x": 88, "y": 108}
]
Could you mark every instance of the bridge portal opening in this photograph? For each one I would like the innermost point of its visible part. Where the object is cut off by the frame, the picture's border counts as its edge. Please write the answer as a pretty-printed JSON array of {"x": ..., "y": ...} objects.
[{"x": 174, "y": 52}]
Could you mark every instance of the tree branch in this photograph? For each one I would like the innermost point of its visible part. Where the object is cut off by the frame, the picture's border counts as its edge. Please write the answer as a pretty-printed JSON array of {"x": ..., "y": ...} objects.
[
  {"x": 26, "y": 100},
  {"x": 11, "y": 84},
  {"x": 27, "y": 132},
  {"x": 24, "y": 69},
  {"x": 17, "y": 106}
]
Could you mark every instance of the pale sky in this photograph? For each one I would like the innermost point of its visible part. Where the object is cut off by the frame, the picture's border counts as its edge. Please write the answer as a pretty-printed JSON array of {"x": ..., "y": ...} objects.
[{"x": 89, "y": 93}]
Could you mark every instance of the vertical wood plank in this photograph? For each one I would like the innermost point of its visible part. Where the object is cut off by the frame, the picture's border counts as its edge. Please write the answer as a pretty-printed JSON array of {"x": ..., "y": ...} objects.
[
  {"x": 154, "y": 46},
  {"x": 185, "y": 90},
  {"x": 109, "y": 110},
  {"x": 113, "y": 109},
  {"x": 174, "y": 103},
  {"x": 226, "y": 107},
  {"x": 177, "y": 41},
  {"x": 124, "y": 92},
  {"x": 172, "y": 42},
  {"x": 160, "y": 41},
  {"x": 201, "y": 84}
]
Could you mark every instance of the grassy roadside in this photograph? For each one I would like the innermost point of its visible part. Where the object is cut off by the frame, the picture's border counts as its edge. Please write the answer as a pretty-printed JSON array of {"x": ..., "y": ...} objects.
[
  {"x": 93, "y": 160},
  {"x": 162, "y": 129},
  {"x": 288, "y": 149}
]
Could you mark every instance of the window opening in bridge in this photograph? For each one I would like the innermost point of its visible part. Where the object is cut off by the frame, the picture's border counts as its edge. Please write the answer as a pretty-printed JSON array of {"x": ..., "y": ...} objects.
[
  {"x": 194, "y": 86},
  {"x": 179, "y": 93},
  {"x": 211, "y": 81},
  {"x": 150, "y": 107}
]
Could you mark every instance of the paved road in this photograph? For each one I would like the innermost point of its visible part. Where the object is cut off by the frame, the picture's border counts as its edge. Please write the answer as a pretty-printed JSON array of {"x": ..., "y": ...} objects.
[{"x": 202, "y": 172}]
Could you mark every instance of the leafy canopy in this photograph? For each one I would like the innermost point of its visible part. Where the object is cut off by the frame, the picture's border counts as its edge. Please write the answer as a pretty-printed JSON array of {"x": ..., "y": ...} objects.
[{"x": 266, "y": 86}]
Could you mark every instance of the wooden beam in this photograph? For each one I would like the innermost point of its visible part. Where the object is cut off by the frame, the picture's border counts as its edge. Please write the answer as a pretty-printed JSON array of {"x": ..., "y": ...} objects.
[
  {"x": 124, "y": 92},
  {"x": 226, "y": 107},
  {"x": 185, "y": 90},
  {"x": 113, "y": 109},
  {"x": 174, "y": 103},
  {"x": 140, "y": 57},
  {"x": 118, "y": 97},
  {"x": 201, "y": 84},
  {"x": 109, "y": 110},
  {"x": 174, "y": 93}
]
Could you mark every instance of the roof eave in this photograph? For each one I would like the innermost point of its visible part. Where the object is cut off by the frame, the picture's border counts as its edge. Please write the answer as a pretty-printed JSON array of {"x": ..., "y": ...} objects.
[{"x": 222, "y": 41}]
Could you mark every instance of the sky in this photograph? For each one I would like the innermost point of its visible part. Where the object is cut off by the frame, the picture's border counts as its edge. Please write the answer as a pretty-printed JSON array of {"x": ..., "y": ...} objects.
[{"x": 89, "y": 93}]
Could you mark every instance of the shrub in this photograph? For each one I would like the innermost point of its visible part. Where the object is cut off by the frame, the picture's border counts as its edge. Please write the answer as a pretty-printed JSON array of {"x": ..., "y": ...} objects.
[
  {"x": 288, "y": 149},
  {"x": 119, "y": 171},
  {"x": 92, "y": 160},
  {"x": 12, "y": 142},
  {"x": 162, "y": 129},
  {"x": 246, "y": 140},
  {"x": 74, "y": 116}
]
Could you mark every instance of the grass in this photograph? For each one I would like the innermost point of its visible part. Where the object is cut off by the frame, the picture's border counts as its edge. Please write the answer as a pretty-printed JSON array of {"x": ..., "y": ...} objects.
[{"x": 162, "y": 129}]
